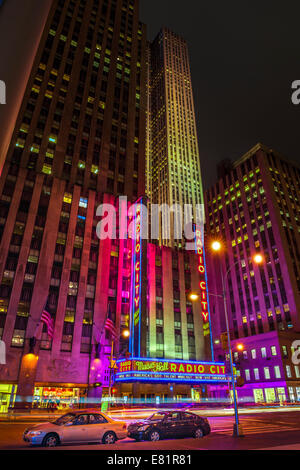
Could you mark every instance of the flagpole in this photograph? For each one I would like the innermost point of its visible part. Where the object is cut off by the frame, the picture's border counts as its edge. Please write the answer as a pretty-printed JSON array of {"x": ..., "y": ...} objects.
[{"x": 110, "y": 371}]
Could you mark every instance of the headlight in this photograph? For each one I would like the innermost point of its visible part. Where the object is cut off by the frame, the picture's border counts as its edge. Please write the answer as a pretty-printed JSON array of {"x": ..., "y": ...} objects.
[
  {"x": 143, "y": 428},
  {"x": 35, "y": 433}
]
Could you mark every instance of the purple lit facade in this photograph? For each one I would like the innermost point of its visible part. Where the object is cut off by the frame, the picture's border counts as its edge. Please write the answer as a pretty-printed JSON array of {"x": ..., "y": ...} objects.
[{"x": 254, "y": 208}]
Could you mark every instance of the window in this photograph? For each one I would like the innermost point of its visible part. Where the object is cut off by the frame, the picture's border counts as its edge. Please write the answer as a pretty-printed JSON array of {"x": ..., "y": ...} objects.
[
  {"x": 267, "y": 372},
  {"x": 96, "y": 419},
  {"x": 253, "y": 353},
  {"x": 82, "y": 419},
  {"x": 247, "y": 374},
  {"x": 288, "y": 371},
  {"x": 256, "y": 374},
  {"x": 277, "y": 372},
  {"x": 263, "y": 352},
  {"x": 284, "y": 351},
  {"x": 273, "y": 350},
  {"x": 297, "y": 372}
]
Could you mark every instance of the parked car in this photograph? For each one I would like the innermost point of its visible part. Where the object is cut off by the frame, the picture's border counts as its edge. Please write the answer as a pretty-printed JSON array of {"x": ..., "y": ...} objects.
[
  {"x": 77, "y": 427},
  {"x": 169, "y": 424}
]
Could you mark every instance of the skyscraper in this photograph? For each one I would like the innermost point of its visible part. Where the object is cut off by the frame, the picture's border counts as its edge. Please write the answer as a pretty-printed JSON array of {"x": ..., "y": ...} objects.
[
  {"x": 20, "y": 33},
  {"x": 79, "y": 141},
  {"x": 174, "y": 175},
  {"x": 255, "y": 207},
  {"x": 83, "y": 114}
]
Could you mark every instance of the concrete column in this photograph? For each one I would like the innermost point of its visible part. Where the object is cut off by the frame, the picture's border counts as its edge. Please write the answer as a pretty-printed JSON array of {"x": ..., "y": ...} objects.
[
  {"x": 65, "y": 277},
  {"x": 85, "y": 256},
  {"x": 184, "y": 332},
  {"x": 11, "y": 219},
  {"x": 152, "y": 299},
  {"x": 22, "y": 262},
  {"x": 168, "y": 305}
]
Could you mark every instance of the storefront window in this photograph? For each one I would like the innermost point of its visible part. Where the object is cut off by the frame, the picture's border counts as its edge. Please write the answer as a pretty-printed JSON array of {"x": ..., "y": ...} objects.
[
  {"x": 7, "y": 396},
  {"x": 56, "y": 398},
  {"x": 258, "y": 395},
  {"x": 270, "y": 395}
]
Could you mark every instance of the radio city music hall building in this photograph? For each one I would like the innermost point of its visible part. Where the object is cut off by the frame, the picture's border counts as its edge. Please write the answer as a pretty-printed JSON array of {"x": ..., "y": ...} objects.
[{"x": 255, "y": 207}]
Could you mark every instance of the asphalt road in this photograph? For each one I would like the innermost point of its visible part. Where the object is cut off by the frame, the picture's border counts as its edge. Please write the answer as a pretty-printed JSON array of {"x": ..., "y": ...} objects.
[{"x": 270, "y": 431}]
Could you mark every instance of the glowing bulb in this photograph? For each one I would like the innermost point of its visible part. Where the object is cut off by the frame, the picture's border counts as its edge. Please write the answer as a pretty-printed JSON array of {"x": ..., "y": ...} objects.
[
  {"x": 194, "y": 297},
  {"x": 216, "y": 246},
  {"x": 258, "y": 258}
]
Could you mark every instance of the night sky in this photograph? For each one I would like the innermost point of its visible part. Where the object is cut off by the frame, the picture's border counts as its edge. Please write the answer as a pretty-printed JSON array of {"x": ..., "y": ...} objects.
[{"x": 244, "y": 57}]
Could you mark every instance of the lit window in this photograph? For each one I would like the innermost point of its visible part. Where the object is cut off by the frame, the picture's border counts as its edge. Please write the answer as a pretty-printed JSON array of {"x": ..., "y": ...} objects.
[
  {"x": 274, "y": 350},
  {"x": 267, "y": 373},
  {"x": 277, "y": 372}
]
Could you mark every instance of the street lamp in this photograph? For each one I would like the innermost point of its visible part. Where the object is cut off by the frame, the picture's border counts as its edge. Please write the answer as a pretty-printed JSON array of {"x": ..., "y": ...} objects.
[
  {"x": 125, "y": 333},
  {"x": 258, "y": 259},
  {"x": 194, "y": 297}
]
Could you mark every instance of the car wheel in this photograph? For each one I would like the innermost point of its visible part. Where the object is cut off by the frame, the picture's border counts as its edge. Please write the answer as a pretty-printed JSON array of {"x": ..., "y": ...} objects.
[
  {"x": 199, "y": 433},
  {"x": 109, "y": 438},
  {"x": 51, "y": 440},
  {"x": 154, "y": 436}
]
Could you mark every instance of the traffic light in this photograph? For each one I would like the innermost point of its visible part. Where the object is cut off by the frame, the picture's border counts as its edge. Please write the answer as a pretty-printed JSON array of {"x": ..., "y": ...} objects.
[
  {"x": 114, "y": 390},
  {"x": 224, "y": 341},
  {"x": 32, "y": 343},
  {"x": 240, "y": 381}
]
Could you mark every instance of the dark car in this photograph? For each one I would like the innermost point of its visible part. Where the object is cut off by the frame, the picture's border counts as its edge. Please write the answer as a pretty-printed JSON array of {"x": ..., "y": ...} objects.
[{"x": 172, "y": 424}]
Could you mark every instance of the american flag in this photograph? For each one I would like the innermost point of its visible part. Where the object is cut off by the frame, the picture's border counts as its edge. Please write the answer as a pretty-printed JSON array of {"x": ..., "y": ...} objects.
[
  {"x": 109, "y": 324},
  {"x": 48, "y": 320}
]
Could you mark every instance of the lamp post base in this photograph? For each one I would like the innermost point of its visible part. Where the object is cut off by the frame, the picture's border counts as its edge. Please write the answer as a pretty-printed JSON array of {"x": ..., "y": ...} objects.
[{"x": 237, "y": 430}]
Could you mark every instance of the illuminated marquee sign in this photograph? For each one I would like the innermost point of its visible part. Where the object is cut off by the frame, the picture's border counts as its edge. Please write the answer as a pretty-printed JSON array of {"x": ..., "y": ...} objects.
[
  {"x": 139, "y": 369},
  {"x": 202, "y": 272},
  {"x": 136, "y": 284}
]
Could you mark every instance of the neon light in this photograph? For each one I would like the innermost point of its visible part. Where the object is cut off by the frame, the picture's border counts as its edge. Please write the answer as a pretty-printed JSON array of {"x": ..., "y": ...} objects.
[
  {"x": 162, "y": 370},
  {"x": 204, "y": 297},
  {"x": 136, "y": 284}
]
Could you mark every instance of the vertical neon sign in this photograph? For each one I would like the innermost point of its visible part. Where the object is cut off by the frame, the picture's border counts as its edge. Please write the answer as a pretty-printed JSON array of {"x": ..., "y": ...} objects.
[
  {"x": 136, "y": 284},
  {"x": 204, "y": 296}
]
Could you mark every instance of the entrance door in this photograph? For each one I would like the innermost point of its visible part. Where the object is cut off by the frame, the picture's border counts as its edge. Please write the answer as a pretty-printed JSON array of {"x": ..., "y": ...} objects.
[
  {"x": 258, "y": 394},
  {"x": 270, "y": 395}
]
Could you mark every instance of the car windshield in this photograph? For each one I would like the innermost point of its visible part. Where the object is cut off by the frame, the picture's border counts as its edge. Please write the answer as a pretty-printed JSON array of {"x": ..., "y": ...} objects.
[
  {"x": 64, "y": 419},
  {"x": 157, "y": 416}
]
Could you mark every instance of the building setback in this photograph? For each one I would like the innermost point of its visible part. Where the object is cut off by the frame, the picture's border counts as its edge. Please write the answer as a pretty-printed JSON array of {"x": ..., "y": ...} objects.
[
  {"x": 174, "y": 175},
  {"x": 255, "y": 207}
]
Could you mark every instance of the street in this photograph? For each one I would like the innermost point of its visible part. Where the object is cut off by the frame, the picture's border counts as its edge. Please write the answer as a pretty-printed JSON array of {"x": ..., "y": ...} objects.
[{"x": 263, "y": 431}]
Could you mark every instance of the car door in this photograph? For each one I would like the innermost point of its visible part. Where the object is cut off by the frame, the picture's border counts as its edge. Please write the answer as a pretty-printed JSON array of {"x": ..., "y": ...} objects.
[
  {"x": 97, "y": 427},
  {"x": 172, "y": 425},
  {"x": 188, "y": 424},
  {"x": 77, "y": 431}
]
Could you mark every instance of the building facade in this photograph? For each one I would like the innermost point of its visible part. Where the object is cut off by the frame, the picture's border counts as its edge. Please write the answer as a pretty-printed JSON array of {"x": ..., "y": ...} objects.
[
  {"x": 79, "y": 142},
  {"x": 254, "y": 208},
  {"x": 174, "y": 175}
]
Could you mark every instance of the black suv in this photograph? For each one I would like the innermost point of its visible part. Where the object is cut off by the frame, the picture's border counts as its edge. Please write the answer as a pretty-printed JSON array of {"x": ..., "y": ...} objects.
[{"x": 169, "y": 424}]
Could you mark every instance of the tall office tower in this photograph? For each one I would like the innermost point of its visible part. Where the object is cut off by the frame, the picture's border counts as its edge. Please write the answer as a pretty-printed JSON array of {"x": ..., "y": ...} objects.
[
  {"x": 174, "y": 170},
  {"x": 255, "y": 207},
  {"x": 83, "y": 114},
  {"x": 20, "y": 33},
  {"x": 80, "y": 135}
]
